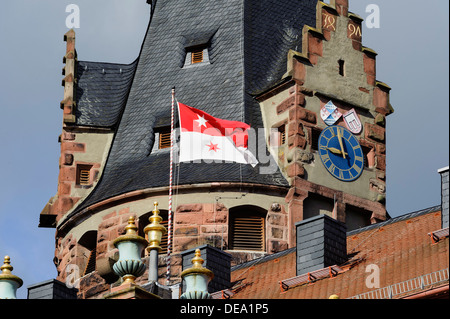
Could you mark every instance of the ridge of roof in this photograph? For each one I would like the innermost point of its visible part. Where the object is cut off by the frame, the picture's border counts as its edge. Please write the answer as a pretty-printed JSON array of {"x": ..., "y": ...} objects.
[
  {"x": 396, "y": 219},
  {"x": 112, "y": 64},
  {"x": 264, "y": 259}
]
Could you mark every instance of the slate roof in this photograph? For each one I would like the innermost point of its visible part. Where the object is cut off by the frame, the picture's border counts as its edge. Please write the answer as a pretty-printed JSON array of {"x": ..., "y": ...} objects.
[
  {"x": 400, "y": 247},
  {"x": 101, "y": 92},
  {"x": 247, "y": 41}
]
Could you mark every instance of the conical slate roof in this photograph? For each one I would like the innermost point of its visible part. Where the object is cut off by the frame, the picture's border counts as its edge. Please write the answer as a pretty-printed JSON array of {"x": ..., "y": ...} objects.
[{"x": 246, "y": 43}]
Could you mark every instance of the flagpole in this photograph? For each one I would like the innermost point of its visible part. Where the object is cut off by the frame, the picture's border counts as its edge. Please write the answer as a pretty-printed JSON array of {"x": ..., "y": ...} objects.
[{"x": 169, "y": 232}]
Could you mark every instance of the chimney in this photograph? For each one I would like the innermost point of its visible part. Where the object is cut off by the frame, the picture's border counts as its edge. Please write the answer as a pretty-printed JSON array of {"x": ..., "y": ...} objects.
[
  {"x": 321, "y": 242},
  {"x": 444, "y": 196},
  {"x": 51, "y": 289},
  {"x": 216, "y": 260},
  {"x": 68, "y": 103}
]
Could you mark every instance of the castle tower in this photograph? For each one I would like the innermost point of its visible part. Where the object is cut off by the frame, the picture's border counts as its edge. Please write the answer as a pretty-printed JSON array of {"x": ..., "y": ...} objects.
[{"x": 278, "y": 65}]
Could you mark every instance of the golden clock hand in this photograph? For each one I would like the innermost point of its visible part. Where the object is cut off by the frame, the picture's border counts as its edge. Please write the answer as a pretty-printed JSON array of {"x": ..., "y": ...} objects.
[
  {"x": 336, "y": 151},
  {"x": 340, "y": 142}
]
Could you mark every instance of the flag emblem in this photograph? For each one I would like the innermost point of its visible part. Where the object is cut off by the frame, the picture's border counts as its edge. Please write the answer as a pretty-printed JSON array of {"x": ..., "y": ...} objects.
[{"x": 204, "y": 137}]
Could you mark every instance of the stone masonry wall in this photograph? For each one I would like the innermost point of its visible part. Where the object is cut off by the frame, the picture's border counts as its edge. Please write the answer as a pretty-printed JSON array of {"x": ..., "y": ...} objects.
[{"x": 193, "y": 225}]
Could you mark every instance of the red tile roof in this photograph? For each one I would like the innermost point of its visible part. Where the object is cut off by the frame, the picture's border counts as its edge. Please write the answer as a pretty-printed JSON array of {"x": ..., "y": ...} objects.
[{"x": 401, "y": 249}]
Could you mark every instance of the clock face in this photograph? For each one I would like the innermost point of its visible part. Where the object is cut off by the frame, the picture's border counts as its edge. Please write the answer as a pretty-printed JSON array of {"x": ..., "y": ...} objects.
[{"x": 341, "y": 153}]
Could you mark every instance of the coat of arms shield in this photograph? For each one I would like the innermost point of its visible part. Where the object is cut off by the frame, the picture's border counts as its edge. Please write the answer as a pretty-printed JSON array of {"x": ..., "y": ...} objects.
[
  {"x": 352, "y": 121},
  {"x": 330, "y": 113}
]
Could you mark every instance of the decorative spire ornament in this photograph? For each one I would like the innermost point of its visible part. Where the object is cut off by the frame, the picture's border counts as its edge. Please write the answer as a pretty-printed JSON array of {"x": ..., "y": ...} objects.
[
  {"x": 9, "y": 283},
  {"x": 130, "y": 266},
  {"x": 154, "y": 232},
  {"x": 197, "y": 279}
]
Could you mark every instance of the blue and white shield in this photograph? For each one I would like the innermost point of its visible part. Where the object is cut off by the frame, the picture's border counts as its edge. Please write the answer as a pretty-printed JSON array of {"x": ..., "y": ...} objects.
[{"x": 330, "y": 114}]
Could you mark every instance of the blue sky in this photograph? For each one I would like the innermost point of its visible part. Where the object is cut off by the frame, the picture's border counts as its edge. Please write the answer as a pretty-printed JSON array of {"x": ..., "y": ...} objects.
[{"x": 413, "y": 47}]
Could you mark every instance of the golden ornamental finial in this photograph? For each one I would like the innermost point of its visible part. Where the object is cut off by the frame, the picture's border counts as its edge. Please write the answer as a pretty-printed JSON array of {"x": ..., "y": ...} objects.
[
  {"x": 155, "y": 230},
  {"x": 6, "y": 268},
  {"x": 131, "y": 227},
  {"x": 197, "y": 261},
  {"x": 197, "y": 267},
  {"x": 155, "y": 219},
  {"x": 9, "y": 283},
  {"x": 131, "y": 233}
]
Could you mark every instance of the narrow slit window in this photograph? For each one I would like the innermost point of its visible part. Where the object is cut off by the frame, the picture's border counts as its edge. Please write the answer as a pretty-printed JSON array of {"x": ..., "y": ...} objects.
[
  {"x": 315, "y": 134},
  {"x": 366, "y": 151},
  {"x": 341, "y": 67}
]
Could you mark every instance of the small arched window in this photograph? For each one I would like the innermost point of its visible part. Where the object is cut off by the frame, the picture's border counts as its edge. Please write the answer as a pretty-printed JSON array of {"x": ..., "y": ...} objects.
[{"x": 247, "y": 228}]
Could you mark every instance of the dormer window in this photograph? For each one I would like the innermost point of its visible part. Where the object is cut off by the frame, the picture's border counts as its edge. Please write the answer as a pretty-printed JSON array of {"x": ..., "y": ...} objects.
[
  {"x": 163, "y": 138},
  {"x": 197, "y": 55}
]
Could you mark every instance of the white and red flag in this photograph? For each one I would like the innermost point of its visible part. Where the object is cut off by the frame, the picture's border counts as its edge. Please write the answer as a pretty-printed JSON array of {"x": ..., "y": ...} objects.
[{"x": 204, "y": 137}]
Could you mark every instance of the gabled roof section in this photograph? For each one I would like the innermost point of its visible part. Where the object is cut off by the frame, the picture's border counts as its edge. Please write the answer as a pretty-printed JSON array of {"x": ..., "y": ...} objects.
[
  {"x": 400, "y": 248},
  {"x": 101, "y": 92}
]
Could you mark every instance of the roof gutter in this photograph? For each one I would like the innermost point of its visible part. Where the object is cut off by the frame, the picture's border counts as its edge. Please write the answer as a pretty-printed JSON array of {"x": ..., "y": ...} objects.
[{"x": 429, "y": 293}]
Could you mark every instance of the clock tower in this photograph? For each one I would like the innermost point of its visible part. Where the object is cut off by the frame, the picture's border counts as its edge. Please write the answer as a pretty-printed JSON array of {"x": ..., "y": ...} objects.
[
  {"x": 325, "y": 123},
  {"x": 295, "y": 71}
]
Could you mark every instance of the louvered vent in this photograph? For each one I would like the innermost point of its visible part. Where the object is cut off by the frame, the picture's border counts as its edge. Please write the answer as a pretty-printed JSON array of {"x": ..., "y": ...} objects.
[
  {"x": 165, "y": 237},
  {"x": 282, "y": 134},
  {"x": 84, "y": 174},
  {"x": 90, "y": 267},
  {"x": 164, "y": 140},
  {"x": 247, "y": 233},
  {"x": 197, "y": 56}
]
